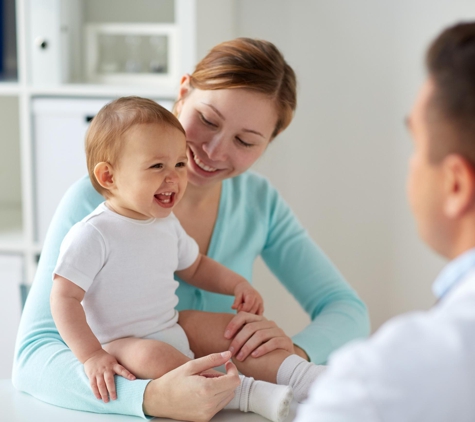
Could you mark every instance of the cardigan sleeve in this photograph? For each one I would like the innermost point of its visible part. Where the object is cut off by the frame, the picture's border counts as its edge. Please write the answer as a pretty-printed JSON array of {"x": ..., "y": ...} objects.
[
  {"x": 44, "y": 366},
  {"x": 337, "y": 313}
]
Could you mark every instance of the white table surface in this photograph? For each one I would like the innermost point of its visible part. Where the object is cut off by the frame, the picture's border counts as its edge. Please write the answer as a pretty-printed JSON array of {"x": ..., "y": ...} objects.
[{"x": 16, "y": 406}]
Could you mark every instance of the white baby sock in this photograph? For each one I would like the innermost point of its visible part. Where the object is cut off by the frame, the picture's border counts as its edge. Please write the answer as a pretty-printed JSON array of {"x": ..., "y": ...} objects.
[
  {"x": 269, "y": 400},
  {"x": 298, "y": 374}
]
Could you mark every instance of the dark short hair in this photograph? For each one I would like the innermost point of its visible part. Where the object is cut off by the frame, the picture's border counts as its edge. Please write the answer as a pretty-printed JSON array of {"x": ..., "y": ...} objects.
[{"x": 451, "y": 65}]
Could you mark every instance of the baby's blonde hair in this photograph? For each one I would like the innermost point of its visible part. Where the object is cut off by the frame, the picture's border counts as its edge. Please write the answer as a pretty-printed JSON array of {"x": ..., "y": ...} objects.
[{"x": 104, "y": 138}]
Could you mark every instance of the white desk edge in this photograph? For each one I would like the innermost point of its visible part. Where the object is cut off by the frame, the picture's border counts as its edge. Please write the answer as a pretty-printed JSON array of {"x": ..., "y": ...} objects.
[{"x": 16, "y": 406}]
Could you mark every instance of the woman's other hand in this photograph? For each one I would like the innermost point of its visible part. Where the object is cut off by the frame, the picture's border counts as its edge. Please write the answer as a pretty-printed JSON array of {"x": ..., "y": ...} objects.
[
  {"x": 254, "y": 335},
  {"x": 189, "y": 393},
  {"x": 247, "y": 299}
]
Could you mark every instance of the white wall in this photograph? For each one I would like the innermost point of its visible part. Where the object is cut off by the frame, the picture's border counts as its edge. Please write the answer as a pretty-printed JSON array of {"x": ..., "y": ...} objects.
[{"x": 342, "y": 162}]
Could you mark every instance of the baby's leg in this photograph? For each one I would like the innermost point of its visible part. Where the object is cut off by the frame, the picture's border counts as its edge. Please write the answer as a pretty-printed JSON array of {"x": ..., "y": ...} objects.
[
  {"x": 146, "y": 358},
  {"x": 205, "y": 332}
]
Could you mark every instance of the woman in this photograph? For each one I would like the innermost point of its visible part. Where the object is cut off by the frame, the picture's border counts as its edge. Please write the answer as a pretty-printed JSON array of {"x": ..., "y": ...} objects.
[{"x": 241, "y": 95}]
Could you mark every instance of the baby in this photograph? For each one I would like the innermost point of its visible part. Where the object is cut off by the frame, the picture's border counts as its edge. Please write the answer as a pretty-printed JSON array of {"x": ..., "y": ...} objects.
[{"x": 113, "y": 297}]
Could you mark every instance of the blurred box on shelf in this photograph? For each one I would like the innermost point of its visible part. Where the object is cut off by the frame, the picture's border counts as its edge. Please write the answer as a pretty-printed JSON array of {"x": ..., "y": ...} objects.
[
  {"x": 133, "y": 54},
  {"x": 54, "y": 41}
]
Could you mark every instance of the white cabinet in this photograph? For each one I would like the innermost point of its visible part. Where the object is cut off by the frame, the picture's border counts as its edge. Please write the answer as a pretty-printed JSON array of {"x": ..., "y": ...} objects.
[
  {"x": 51, "y": 40},
  {"x": 59, "y": 127},
  {"x": 11, "y": 276}
]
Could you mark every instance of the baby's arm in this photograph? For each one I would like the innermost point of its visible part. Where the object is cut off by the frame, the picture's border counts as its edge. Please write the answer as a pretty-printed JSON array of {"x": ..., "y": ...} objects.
[
  {"x": 70, "y": 320},
  {"x": 210, "y": 275}
]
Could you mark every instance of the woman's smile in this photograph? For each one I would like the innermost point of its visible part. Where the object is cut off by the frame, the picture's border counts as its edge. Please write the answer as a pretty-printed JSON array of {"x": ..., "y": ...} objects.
[
  {"x": 198, "y": 166},
  {"x": 203, "y": 165}
]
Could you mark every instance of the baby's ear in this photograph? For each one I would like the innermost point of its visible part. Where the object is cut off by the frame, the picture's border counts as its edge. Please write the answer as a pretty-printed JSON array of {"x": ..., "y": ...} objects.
[{"x": 104, "y": 175}]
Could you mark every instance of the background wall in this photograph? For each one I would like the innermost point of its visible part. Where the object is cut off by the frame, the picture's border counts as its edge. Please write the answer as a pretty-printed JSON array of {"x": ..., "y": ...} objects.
[{"x": 342, "y": 162}]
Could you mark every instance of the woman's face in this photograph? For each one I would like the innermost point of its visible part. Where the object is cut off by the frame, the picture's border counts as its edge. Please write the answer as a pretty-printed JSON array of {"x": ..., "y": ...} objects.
[{"x": 227, "y": 130}]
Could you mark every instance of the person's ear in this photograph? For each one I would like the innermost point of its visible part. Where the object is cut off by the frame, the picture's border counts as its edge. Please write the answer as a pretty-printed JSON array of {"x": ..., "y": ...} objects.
[
  {"x": 183, "y": 91},
  {"x": 459, "y": 186},
  {"x": 104, "y": 173}
]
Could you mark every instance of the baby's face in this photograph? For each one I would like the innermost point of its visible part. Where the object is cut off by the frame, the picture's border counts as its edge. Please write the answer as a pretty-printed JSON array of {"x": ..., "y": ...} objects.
[{"x": 150, "y": 176}]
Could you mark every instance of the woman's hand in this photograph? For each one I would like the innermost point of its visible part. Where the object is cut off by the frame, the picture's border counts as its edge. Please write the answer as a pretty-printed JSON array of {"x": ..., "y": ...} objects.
[
  {"x": 100, "y": 368},
  {"x": 191, "y": 392},
  {"x": 247, "y": 299},
  {"x": 256, "y": 336}
]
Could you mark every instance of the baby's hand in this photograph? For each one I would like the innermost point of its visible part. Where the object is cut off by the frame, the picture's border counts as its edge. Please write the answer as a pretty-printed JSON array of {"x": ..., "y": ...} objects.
[
  {"x": 100, "y": 369},
  {"x": 247, "y": 299}
]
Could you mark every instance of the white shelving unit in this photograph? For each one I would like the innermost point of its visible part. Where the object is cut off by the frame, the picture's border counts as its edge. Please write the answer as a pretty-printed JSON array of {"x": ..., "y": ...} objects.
[{"x": 200, "y": 24}]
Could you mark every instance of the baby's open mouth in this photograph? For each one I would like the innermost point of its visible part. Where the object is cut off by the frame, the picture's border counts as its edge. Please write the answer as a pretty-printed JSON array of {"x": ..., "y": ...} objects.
[{"x": 165, "y": 198}]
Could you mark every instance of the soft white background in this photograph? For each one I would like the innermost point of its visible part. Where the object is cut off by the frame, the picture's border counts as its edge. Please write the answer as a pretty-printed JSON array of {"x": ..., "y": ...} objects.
[{"x": 342, "y": 163}]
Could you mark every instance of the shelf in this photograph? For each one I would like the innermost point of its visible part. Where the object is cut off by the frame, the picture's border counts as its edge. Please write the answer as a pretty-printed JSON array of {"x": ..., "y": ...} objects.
[
  {"x": 10, "y": 88},
  {"x": 87, "y": 91},
  {"x": 101, "y": 91}
]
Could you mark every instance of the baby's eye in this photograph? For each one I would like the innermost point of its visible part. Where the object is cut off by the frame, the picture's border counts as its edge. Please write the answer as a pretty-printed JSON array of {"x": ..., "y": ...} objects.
[
  {"x": 180, "y": 164},
  {"x": 157, "y": 166}
]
